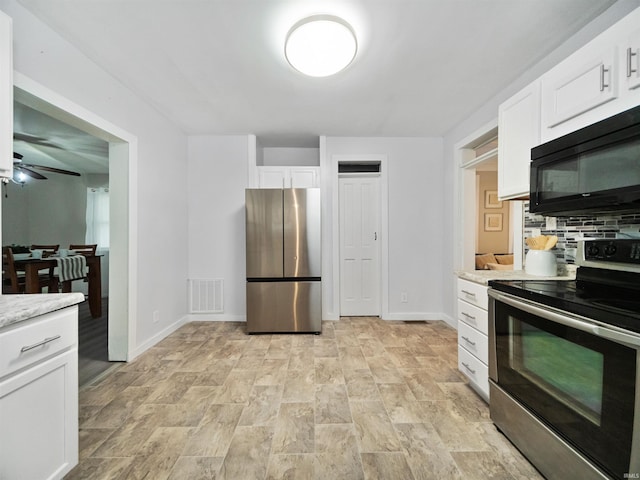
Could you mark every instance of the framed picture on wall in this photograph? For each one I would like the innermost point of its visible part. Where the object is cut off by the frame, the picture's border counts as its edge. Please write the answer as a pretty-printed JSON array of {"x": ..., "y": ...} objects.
[
  {"x": 492, "y": 222},
  {"x": 491, "y": 199}
]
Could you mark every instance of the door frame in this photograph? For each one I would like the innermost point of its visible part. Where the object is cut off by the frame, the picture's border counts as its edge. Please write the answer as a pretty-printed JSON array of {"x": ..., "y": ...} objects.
[
  {"x": 376, "y": 175},
  {"x": 336, "y": 159},
  {"x": 123, "y": 161}
]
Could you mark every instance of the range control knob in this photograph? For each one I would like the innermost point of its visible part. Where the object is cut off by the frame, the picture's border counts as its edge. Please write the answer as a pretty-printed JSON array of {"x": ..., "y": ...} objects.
[
  {"x": 593, "y": 250},
  {"x": 610, "y": 250}
]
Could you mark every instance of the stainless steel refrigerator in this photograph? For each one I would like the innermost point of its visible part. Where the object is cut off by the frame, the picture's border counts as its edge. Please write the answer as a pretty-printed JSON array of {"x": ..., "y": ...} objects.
[{"x": 283, "y": 260}]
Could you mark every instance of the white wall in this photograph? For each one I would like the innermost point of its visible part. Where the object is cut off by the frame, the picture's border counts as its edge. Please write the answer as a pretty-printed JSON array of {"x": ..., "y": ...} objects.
[
  {"x": 488, "y": 114},
  {"x": 217, "y": 178},
  {"x": 160, "y": 221},
  {"x": 415, "y": 202},
  {"x": 279, "y": 156},
  {"x": 51, "y": 211}
]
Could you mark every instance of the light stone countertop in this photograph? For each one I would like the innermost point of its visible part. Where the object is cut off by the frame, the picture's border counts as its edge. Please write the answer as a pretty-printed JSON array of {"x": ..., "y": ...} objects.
[
  {"x": 17, "y": 308},
  {"x": 482, "y": 277}
]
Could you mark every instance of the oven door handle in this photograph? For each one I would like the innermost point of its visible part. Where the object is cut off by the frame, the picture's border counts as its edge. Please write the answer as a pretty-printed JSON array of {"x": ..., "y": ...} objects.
[
  {"x": 572, "y": 322},
  {"x": 618, "y": 337}
]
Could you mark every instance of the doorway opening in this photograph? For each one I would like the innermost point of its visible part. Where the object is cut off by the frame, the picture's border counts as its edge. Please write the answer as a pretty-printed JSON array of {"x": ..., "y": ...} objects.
[
  {"x": 489, "y": 226},
  {"x": 121, "y": 148}
]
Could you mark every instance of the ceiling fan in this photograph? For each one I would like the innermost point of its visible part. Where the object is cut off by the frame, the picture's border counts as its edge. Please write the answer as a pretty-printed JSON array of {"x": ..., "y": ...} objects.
[{"x": 28, "y": 170}]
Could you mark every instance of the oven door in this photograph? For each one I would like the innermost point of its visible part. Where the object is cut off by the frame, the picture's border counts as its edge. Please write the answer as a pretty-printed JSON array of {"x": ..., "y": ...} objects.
[{"x": 562, "y": 369}]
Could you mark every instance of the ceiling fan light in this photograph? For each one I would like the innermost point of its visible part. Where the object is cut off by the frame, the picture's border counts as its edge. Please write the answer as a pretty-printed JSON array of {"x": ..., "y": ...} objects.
[{"x": 320, "y": 45}]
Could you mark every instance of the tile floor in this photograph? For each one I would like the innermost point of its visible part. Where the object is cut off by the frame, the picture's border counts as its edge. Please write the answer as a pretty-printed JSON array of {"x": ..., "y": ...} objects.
[{"x": 367, "y": 399}]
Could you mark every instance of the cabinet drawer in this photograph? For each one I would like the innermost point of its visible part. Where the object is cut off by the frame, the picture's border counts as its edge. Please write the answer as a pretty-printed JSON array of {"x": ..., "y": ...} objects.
[
  {"x": 37, "y": 339},
  {"x": 474, "y": 342},
  {"x": 473, "y": 293},
  {"x": 474, "y": 316},
  {"x": 474, "y": 370}
]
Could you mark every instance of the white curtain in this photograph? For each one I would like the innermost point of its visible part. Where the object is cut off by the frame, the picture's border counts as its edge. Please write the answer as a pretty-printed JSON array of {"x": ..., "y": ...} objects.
[{"x": 98, "y": 217}]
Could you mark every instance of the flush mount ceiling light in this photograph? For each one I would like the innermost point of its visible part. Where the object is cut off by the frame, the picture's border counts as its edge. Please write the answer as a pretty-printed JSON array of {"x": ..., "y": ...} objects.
[{"x": 320, "y": 45}]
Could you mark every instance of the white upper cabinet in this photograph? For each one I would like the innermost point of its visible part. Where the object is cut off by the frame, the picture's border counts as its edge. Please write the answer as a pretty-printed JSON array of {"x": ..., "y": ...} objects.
[
  {"x": 304, "y": 177},
  {"x": 631, "y": 53},
  {"x": 288, "y": 177},
  {"x": 592, "y": 84},
  {"x": 585, "y": 81},
  {"x": 518, "y": 132},
  {"x": 6, "y": 96}
]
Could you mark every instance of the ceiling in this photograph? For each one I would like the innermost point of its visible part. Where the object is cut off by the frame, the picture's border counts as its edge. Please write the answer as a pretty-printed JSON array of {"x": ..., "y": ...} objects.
[
  {"x": 217, "y": 66},
  {"x": 43, "y": 140}
]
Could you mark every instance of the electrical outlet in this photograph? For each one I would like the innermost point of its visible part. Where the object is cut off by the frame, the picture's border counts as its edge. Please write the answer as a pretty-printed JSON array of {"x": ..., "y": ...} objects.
[
  {"x": 156, "y": 316},
  {"x": 403, "y": 297}
]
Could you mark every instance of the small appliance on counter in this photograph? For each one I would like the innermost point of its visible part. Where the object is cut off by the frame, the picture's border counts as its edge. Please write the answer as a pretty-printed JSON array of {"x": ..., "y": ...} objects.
[{"x": 283, "y": 242}]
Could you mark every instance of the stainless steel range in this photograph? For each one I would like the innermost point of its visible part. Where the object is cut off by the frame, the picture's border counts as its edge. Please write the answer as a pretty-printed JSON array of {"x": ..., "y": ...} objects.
[{"x": 564, "y": 365}]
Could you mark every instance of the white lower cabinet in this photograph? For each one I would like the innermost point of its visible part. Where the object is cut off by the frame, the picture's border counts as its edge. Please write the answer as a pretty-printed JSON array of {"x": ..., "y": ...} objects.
[
  {"x": 39, "y": 399},
  {"x": 473, "y": 343},
  {"x": 475, "y": 370}
]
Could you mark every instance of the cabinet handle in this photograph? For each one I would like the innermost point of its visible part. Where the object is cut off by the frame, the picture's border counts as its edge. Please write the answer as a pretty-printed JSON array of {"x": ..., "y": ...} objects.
[
  {"x": 473, "y": 372},
  {"x": 375, "y": 235},
  {"x": 465, "y": 314},
  {"x": 603, "y": 70},
  {"x": 468, "y": 341},
  {"x": 468, "y": 293},
  {"x": 630, "y": 54},
  {"x": 39, "y": 344}
]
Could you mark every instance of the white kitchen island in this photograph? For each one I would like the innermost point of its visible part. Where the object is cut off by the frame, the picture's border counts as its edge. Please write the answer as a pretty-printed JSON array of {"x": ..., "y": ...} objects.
[{"x": 38, "y": 385}]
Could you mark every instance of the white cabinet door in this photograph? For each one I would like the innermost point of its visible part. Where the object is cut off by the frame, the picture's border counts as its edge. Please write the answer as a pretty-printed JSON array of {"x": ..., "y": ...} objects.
[
  {"x": 582, "y": 83},
  {"x": 598, "y": 81},
  {"x": 631, "y": 52},
  {"x": 288, "y": 177},
  {"x": 272, "y": 177},
  {"x": 6, "y": 96},
  {"x": 39, "y": 420},
  {"x": 304, "y": 177},
  {"x": 518, "y": 132}
]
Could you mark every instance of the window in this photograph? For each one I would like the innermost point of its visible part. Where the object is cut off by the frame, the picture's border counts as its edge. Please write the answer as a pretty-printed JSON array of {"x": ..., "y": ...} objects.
[{"x": 98, "y": 217}]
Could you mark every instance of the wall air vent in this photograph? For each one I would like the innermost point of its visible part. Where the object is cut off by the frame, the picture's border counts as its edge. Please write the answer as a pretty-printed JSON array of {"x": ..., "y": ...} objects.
[
  {"x": 359, "y": 167},
  {"x": 206, "y": 296}
]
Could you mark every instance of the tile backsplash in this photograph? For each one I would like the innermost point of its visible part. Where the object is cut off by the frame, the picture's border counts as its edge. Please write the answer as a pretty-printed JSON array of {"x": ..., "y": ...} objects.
[{"x": 570, "y": 229}]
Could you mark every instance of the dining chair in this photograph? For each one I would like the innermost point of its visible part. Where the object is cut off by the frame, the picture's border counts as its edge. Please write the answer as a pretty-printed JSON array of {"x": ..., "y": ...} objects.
[
  {"x": 87, "y": 250},
  {"x": 47, "y": 250},
  {"x": 80, "y": 249},
  {"x": 12, "y": 282}
]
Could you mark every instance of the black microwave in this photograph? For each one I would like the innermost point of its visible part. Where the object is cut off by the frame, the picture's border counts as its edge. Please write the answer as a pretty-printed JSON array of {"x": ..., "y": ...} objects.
[{"x": 594, "y": 170}]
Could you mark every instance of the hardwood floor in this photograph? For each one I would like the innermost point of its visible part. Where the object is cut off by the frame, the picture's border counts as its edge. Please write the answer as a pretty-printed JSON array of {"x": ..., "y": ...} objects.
[
  {"x": 93, "y": 355},
  {"x": 367, "y": 399}
]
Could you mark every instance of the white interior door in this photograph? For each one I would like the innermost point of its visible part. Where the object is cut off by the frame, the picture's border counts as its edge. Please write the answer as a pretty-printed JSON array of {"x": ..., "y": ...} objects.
[{"x": 359, "y": 245}]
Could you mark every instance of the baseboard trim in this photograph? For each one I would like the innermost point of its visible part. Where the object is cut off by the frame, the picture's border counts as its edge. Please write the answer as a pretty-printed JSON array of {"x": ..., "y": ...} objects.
[
  {"x": 161, "y": 335},
  {"x": 450, "y": 321},
  {"x": 415, "y": 316},
  {"x": 215, "y": 317}
]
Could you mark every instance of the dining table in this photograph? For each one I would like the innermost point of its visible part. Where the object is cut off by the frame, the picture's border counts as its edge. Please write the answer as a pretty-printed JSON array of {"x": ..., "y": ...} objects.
[{"x": 32, "y": 266}]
